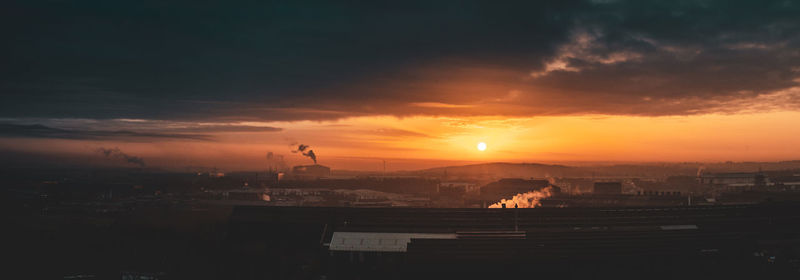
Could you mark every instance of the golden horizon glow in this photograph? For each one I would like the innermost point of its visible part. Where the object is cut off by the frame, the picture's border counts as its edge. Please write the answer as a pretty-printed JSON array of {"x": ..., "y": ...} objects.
[{"x": 423, "y": 141}]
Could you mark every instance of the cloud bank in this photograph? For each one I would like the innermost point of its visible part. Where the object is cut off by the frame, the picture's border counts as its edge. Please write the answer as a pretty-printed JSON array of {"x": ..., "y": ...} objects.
[{"x": 326, "y": 60}]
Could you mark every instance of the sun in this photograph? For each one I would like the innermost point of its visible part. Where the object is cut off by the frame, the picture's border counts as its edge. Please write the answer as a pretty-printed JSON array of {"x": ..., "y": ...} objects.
[{"x": 481, "y": 146}]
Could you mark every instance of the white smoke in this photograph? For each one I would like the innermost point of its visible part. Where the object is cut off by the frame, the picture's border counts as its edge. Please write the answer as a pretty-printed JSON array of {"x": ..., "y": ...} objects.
[{"x": 530, "y": 199}]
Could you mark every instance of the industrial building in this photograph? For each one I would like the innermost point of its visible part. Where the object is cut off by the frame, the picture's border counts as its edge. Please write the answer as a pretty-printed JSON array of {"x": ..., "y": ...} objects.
[
  {"x": 740, "y": 179},
  {"x": 310, "y": 172},
  {"x": 508, "y": 187},
  {"x": 607, "y": 188},
  {"x": 570, "y": 243}
]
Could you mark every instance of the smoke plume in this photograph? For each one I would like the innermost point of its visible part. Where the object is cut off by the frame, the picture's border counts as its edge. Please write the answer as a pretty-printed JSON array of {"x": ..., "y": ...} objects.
[
  {"x": 530, "y": 199},
  {"x": 116, "y": 153},
  {"x": 304, "y": 149}
]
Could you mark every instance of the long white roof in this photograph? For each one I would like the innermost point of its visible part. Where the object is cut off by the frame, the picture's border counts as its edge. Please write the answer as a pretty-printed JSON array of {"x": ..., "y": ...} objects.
[{"x": 379, "y": 241}]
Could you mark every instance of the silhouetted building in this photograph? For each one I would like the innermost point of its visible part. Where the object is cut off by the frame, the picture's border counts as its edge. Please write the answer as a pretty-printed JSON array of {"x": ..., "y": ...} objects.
[
  {"x": 739, "y": 178},
  {"x": 607, "y": 188},
  {"x": 508, "y": 187},
  {"x": 467, "y": 187},
  {"x": 309, "y": 172},
  {"x": 734, "y": 181},
  {"x": 787, "y": 182},
  {"x": 556, "y": 243}
]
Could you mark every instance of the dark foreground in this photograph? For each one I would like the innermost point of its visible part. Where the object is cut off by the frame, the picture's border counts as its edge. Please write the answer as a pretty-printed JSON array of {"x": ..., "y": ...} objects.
[{"x": 719, "y": 242}]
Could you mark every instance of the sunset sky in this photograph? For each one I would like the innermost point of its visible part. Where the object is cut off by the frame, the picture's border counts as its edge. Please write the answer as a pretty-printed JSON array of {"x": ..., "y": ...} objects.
[{"x": 417, "y": 84}]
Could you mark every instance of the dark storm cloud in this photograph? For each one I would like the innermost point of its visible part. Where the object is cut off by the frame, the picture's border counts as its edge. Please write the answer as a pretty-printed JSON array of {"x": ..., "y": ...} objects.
[
  {"x": 122, "y": 129},
  {"x": 325, "y": 60},
  {"x": 676, "y": 57},
  {"x": 226, "y": 128},
  {"x": 41, "y": 131}
]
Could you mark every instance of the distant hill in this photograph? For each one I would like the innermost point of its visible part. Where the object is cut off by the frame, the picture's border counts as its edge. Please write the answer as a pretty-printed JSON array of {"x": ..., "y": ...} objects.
[
  {"x": 642, "y": 170},
  {"x": 504, "y": 169}
]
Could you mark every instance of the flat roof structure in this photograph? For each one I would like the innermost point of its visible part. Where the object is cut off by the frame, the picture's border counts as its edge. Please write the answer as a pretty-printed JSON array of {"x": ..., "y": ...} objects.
[
  {"x": 626, "y": 242},
  {"x": 379, "y": 241}
]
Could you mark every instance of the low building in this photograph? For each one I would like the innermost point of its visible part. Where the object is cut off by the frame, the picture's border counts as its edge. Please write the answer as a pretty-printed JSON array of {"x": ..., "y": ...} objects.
[
  {"x": 737, "y": 181},
  {"x": 379, "y": 241},
  {"x": 310, "y": 172},
  {"x": 466, "y": 187},
  {"x": 607, "y": 188},
  {"x": 509, "y": 187},
  {"x": 738, "y": 178}
]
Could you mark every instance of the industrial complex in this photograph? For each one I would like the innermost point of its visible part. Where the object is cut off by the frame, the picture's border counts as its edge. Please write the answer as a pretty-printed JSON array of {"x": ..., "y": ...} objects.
[
  {"x": 699, "y": 242},
  {"x": 311, "y": 222}
]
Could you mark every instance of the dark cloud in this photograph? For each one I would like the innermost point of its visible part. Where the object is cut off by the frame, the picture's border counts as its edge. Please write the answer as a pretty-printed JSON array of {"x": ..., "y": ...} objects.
[
  {"x": 676, "y": 57},
  {"x": 41, "y": 131},
  {"x": 325, "y": 60},
  {"x": 128, "y": 130},
  {"x": 226, "y": 128}
]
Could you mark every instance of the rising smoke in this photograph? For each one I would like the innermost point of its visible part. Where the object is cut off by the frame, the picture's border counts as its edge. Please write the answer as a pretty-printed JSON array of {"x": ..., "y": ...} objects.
[
  {"x": 116, "y": 153},
  {"x": 530, "y": 199},
  {"x": 304, "y": 149}
]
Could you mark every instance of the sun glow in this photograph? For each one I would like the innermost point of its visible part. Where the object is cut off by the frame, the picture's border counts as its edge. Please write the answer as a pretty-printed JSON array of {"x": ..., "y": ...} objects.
[
  {"x": 481, "y": 146},
  {"x": 412, "y": 143}
]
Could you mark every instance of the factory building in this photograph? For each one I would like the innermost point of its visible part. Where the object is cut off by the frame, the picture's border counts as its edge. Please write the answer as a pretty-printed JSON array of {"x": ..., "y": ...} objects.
[
  {"x": 463, "y": 187},
  {"x": 787, "y": 182},
  {"x": 508, "y": 187},
  {"x": 570, "y": 243},
  {"x": 738, "y": 181},
  {"x": 607, "y": 188},
  {"x": 310, "y": 172},
  {"x": 738, "y": 178}
]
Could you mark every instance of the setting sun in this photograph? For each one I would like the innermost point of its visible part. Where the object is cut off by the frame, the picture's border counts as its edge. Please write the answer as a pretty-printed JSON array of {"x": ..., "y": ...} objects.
[{"x": 334, "y": 140}]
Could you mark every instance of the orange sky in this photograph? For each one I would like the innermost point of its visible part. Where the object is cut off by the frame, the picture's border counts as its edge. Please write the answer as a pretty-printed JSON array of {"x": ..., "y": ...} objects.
[
  {"x": 420, "y": 142},
  {"x": 421, "y": 86}
]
